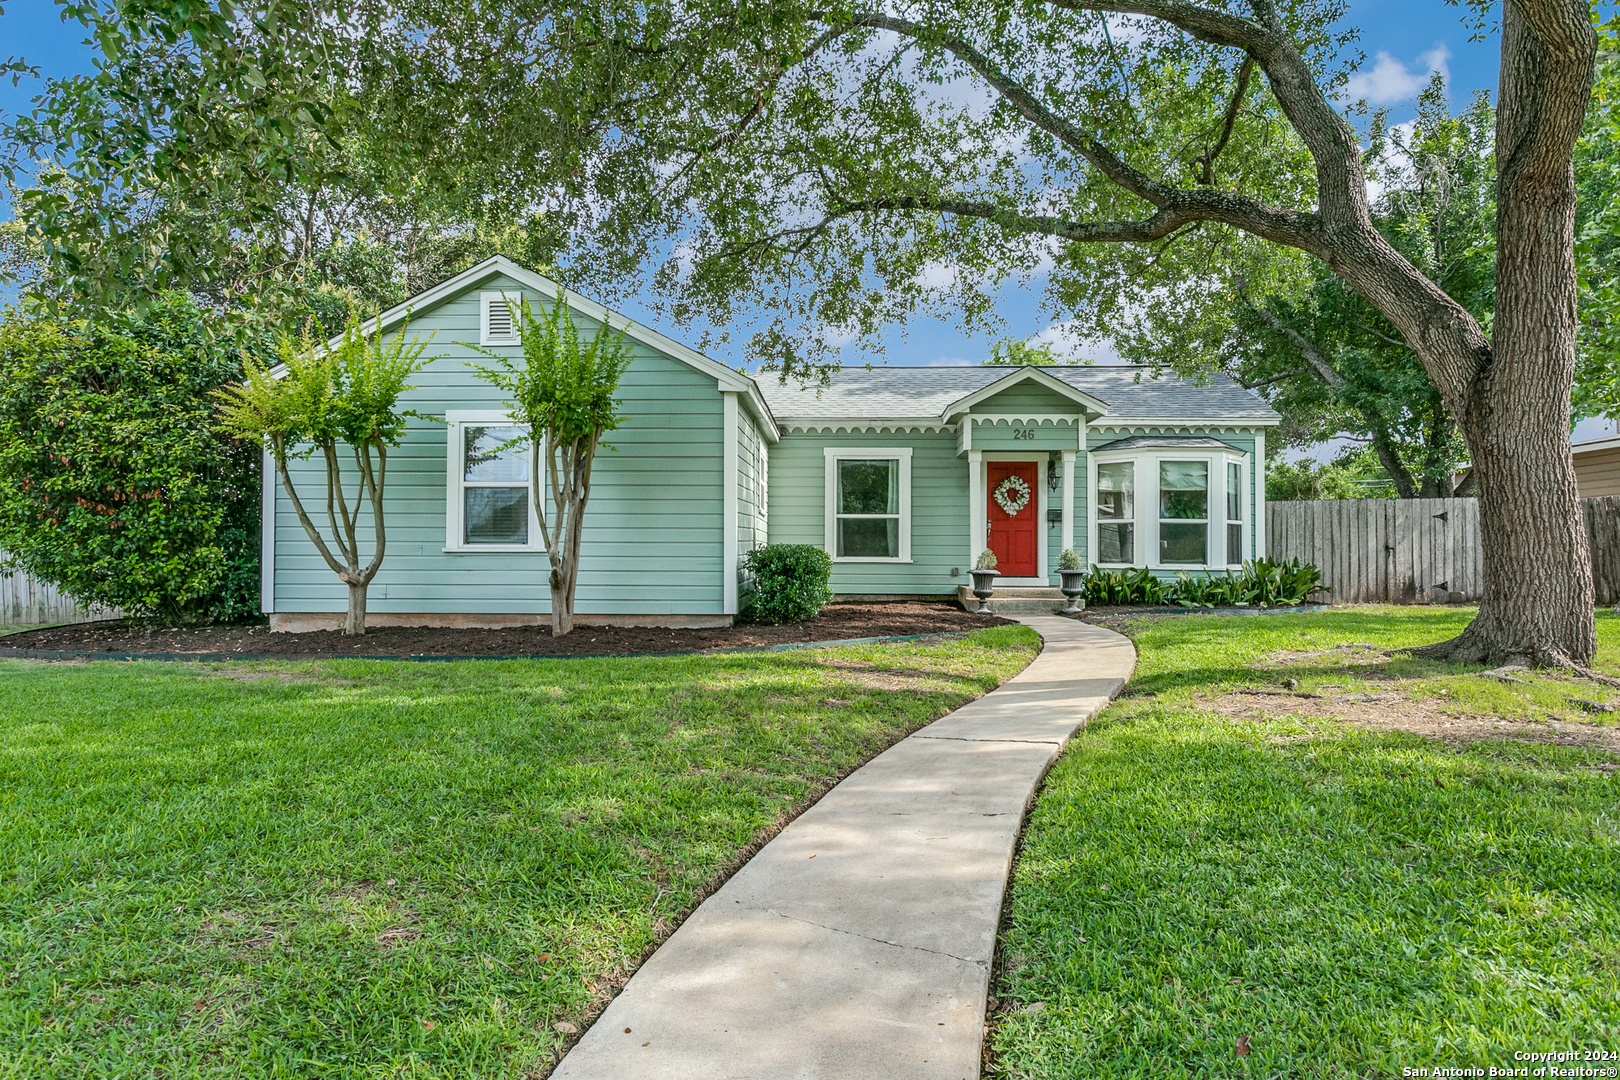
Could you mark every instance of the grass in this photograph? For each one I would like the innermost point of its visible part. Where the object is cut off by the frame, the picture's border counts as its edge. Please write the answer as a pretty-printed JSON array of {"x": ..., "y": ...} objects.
[
  {"x": 365, "y": 869},
  {"x": 1331, "y": 899}
]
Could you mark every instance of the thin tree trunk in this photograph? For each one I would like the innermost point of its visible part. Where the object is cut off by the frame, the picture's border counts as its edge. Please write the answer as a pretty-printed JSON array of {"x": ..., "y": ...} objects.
[{"x": 354, "y": 624}]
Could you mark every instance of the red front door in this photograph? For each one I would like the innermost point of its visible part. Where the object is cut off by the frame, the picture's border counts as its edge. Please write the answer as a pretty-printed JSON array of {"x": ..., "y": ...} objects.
[{"x": 1013, "y": 535}]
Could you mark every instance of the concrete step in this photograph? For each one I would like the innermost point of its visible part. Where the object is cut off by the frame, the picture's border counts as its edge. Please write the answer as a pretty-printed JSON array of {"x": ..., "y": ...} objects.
[{"x": 1014, "y": 600}]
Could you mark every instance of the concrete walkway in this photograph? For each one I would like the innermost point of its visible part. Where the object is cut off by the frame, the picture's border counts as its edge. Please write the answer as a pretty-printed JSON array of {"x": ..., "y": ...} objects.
[{"x": 858, "y": 943}]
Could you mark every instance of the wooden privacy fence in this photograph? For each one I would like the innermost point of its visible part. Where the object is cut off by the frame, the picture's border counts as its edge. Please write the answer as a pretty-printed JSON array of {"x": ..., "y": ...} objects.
[
  {"x": 1415, "y": 551},
  {"x": 24, "y": 602}
]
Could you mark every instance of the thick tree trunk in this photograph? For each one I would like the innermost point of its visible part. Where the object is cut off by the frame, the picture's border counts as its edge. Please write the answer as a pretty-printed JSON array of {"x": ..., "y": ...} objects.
[
  {"x": 354, "y": 623},
  {"x": 1538, "y": 598}
]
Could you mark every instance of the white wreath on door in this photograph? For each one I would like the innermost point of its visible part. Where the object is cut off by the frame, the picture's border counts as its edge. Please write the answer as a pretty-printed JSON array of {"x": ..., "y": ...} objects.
[{"x": 1012, "y": 495}]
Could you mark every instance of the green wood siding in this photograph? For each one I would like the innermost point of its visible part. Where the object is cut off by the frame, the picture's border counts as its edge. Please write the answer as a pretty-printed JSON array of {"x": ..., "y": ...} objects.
[
  {"x": 1038, "y": 438},
  {"x": 652, "y": 539},
  {"x": 939, "y": 523},
  {"x": 1027, "y": 397}
]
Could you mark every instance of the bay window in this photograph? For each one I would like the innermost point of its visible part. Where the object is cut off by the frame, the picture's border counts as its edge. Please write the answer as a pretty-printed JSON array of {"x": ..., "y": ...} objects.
[{"x": 1168, "y": 502}]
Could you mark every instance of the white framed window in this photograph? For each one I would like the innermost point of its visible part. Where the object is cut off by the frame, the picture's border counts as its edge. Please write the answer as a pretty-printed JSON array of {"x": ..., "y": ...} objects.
[
  {"x": 1116, "y": 513},
  {"x": 499, "y": 318},
  {"x": 868, "y": 504},
  {"x": 1168, "y": 503},
  {"x": 488, "y": 501},
  {"x": 1234, "y": 513},
  {"x": 1183, "y": 513}
]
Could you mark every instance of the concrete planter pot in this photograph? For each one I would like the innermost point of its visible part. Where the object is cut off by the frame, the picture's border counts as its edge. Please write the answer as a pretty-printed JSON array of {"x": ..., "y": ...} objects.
[
  {"x": 984, "y": 583},
  {"x": 1073, "y": 587}
]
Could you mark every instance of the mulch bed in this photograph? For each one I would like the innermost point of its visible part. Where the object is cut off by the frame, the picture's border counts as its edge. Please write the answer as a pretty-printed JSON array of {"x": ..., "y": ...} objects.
[{"x": 835, "y": 623}]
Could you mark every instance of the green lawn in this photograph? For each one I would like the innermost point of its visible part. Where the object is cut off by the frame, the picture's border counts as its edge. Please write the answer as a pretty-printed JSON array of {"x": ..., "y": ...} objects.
[
  {"x": 1349, "y": 901},
  {"x": 361, "y": 868}
]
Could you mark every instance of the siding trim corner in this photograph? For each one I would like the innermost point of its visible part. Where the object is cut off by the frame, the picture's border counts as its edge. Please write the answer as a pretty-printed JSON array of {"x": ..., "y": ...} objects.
[{"x": 729, "y": 502}]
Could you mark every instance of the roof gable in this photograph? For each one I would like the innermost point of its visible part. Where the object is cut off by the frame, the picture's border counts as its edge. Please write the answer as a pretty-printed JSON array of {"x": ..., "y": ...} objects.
[
  {"x": 1023, "y": 389},
  {"x": 499, "y": 266}
]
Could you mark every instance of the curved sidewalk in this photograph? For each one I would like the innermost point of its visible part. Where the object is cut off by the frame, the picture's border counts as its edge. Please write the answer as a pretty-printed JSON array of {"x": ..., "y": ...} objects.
[{"x": 858, "y": 943}]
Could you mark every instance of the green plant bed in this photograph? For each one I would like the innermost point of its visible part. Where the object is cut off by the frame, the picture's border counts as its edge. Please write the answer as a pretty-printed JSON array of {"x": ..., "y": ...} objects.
[
  {"x": 354, "y": 868},
  {"x": 1366, "y": 864}
]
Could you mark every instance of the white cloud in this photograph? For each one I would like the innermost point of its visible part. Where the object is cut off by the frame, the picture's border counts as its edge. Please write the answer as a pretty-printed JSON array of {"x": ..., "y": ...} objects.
[
  {"x": 1068, "y": 343},
  {"x": 1391, "y": 81},
  {"x": 937, "y": 275}
]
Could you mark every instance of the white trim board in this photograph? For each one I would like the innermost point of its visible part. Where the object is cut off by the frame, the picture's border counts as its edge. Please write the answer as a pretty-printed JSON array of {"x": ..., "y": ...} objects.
[{"x": 730, "y": 508}]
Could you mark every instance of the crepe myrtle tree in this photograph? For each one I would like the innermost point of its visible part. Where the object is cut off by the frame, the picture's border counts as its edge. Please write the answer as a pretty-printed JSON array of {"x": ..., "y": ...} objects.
[
  {"x": 321, "y": 397},
  {"x": 563, "y": 392}
]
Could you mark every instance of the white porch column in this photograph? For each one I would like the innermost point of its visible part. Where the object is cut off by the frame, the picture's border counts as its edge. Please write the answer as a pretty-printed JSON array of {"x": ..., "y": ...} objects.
[
  {"x": 1068, "y": 500},
  {"x": 728, "y": 503},
  {"x": 977, "y": 541},
  {"x": 1260, "y": 494}
]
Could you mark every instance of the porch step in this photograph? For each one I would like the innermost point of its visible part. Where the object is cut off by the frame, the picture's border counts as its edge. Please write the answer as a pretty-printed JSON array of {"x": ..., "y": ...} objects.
[{"x": 1014, "y": 600}]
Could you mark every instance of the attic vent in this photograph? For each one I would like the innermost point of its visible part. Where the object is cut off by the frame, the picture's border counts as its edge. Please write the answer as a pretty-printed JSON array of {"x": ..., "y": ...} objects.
[{"x": 500, "y": 325}]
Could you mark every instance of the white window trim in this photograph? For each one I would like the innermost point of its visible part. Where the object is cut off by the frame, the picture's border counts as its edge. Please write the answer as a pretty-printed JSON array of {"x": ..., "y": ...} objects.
[
  {"x": 1147, "y": 495},
  {"x": 454, "y": 500},
  {"x": 1244, "y": 513},
  {"x": 832, "y": 456},
  {"x": 485, "y": 301}
]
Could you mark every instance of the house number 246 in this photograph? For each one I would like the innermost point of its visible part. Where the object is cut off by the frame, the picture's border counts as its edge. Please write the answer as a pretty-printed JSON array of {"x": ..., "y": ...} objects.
[{"x": 1023, "y": 433}]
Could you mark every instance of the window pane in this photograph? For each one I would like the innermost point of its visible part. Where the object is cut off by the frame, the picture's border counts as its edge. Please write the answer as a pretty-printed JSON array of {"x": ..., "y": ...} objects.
[
  {"x": 1182, "y": 543},
  {"x": 485, "y": 460},
  {"x": 1234, "y": 486},
  {"x": 868, "y": 487},
  {"x": 1183, "y": 489},
  {"x": 1116, "y": 491},
  {"x": 1116, "y": 543},
  {"x": 497, "y": 515},
  {"x": 1234, "y": 544},
  {"x": 869, "y": 538}
]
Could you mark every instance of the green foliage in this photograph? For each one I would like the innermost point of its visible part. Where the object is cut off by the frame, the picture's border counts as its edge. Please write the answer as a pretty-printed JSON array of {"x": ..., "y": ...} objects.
[
  {"x": 344, "y": 394},
  {"x": 115, "y": 484},
  {"x": 791, "y": 582},
  {"x": 1307, "y": 479},
  {"x": 565, "y": 393},
  {"x": 1262, "y": 583},
  {"x": 1017, "y": 351},
  {"x": 1070, "y": 560},
  {"x": 566, "y": 388},
  {"x": 1597, "y": 237},
  {"x": 354, "y": 869},
  {"x": 986, "y": 560},
  {"x": 1325, "y": 358},
  {"x": 1123, "y": 588}
]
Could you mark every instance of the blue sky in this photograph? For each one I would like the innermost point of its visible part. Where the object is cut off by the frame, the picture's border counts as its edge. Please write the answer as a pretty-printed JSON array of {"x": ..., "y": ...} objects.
[{"x": 1404, "y": 40}]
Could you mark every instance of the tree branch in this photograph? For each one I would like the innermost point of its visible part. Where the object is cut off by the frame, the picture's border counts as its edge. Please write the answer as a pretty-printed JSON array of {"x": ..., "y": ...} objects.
[{"x": 1206, "y": 171}]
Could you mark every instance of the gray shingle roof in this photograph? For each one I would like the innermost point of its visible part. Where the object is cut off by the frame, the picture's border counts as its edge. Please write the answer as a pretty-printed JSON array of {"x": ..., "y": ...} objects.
[{"x": 885, "y": 392}]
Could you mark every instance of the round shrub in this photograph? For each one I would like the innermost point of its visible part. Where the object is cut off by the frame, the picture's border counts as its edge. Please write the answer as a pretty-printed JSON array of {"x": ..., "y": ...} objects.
[
  {"x": 116, "y": 485},
  {"x": 791, "y": 582}
]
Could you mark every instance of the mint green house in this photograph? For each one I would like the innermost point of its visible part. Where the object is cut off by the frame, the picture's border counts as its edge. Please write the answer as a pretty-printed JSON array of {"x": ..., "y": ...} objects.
[{"x": 903, "y": 474}]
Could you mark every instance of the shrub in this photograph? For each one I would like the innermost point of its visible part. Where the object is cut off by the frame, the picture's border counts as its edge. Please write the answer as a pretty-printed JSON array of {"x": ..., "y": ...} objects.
[
  {"x": 791, "y": 582},
  {"x": 1263, "y": 583},
  {"x": 1306, "y": 479},
  {"x": 116, "y": 486},
  {"x": 986, "y": 560},
  {"x": 1120, "y": 588},
  {"x": 1070, "y": 560}
]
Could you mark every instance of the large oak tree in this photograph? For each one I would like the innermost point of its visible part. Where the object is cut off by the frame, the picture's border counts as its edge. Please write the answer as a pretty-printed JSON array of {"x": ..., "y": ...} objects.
[{"x": 826, "y": 170}]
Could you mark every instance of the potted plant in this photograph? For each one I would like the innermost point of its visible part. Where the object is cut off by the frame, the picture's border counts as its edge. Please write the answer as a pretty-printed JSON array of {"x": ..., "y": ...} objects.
[
  {"x": 984, "y": 579},
  {"x": 1073, "y": 572}
]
